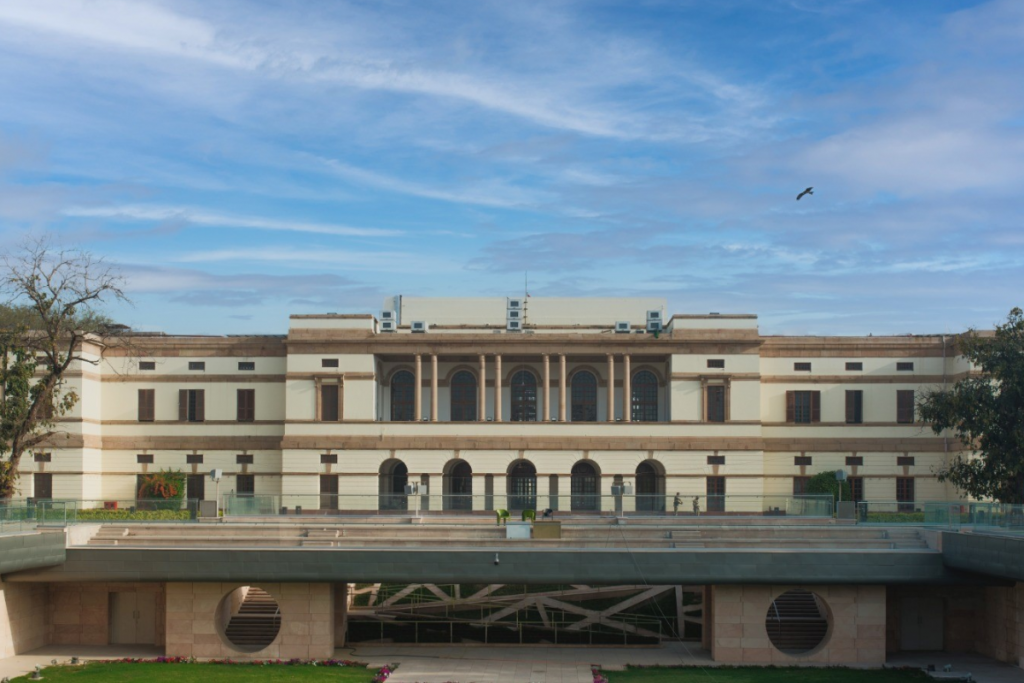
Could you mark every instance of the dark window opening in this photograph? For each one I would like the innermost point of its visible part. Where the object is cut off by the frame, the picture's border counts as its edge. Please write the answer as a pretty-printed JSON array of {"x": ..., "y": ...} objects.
[
  {"x": 802, "y": 367},
  {"x": 246, "y": 405},
  {"x": 904, "y": 366},
  {"x": 463, "y": 397},
  {"x": 246, "y": 365},
  {"x": 524, "y": 397},
  {"x": 854, "y": 407},
  {"x": 905, "y": 493},
  {"x": 803, "y": 407},
  {"x": 196, "y": 365},
  {"x": 584, "y": 397},
  {"x": 147, "y": 365},
  {"x": 403, "y": 396},
  {"x": 328, "y": 362},
  {"x": 854, "y": 366},
  {"x": 645, "y": 397},
  {"x": 905, "y": 406},
  {"x": 716, "y": 362},
  {"x": 716, "y": 403},
  {"x": 245, "y": 485},
  {"x": 192, "y": 405},
  {"x": 329, "y": 396}
]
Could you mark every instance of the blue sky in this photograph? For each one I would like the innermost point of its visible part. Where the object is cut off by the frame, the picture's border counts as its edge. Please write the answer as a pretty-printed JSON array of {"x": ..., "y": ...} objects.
[{"x": 242, "y": 161}]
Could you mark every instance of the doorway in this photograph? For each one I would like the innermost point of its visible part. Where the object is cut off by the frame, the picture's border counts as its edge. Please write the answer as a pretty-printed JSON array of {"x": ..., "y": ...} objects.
[
  {"x": 921, "y": 624},
  {"x": 133, "y": 618}
]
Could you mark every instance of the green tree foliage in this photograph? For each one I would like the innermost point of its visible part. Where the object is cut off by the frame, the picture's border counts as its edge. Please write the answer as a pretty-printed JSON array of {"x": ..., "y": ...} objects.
[
  {"x": 158, "y": 487},
  {"x": 824, "y": 483},
  {"x": 50, "y": 311},
  {"x": 985, "y": 411}
]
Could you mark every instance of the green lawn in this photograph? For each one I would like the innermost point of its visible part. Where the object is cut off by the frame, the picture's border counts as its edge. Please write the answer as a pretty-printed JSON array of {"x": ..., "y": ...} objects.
[
  {"x": 97, "y": 672},
  {"x": 762, "y": 675}
]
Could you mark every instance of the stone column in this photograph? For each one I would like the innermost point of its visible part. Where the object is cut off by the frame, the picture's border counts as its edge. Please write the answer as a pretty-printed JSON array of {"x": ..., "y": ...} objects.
[
  {"x": 481, "y": 410},
  {"x": 497, "y": 388},
  {"x": 611, "y": 388},
  {"x": 433, "y": 387},
  {"x": 627, "y": 390},
  {"x": 561, "y": 387},
  {"x": 546, "y": 390},
  {"x": 418, "y": 400}
]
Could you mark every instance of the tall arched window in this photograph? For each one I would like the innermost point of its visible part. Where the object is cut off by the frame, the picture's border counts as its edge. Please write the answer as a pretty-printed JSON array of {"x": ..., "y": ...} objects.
[
  {"x": 584, "y": 397},
  {"x": 522, "y": 486},
  {"x": 585, "y": 487},
  {"x": 650, "y": 487},
  {"x": 393, "y": 477},
  {"x": 457, "y": 486},
  {"x": 524, "y": 397},
  {"x": 645, "y": 397},
  {"x": 403, "y": 397},
  {"x": 463, "y": 396}
]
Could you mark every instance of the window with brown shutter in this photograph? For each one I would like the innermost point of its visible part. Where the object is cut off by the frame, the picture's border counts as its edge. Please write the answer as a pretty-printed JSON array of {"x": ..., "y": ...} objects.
[
  {"x": 716, "y": 403},
  {"x": 856, "y": 488},
  {"x": 245, "y": 485},
  {"x": 800, "y": 485},
  {"x": 854, "y": 407},
  {"x": 246, "y": 405},
  {"x": 905, "y": 406},
  {"x": 329, "y": 403},
  {"x": 191, "y": 405},
  {"x": 905, "y": 494},
  {"x": 803, "y": 407},
  {"x": 147, "y": 405}
]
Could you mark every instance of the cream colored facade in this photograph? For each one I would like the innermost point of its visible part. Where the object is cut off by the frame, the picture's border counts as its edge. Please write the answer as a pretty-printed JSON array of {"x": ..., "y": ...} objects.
[{"x": 291, "y": 451}]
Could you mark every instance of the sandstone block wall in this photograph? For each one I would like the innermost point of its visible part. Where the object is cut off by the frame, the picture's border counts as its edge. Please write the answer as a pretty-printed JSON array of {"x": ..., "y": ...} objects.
[
  {"x": 1001, "y": 635},
  {"x": 80, "y": 612},
  {"x": 24, "y": 618},
  {"x": 856, "y": 626},
  {"x": 307, "y": 621}
]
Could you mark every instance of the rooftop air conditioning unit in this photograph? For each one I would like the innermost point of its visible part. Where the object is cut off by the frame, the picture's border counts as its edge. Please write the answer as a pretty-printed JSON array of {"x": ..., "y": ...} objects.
[
  {"x": 387, "y": 315},
  {"x": 622, "y": 326},
  {"x": 515, "y": 304},
  {"x": 514, "y": 315},
  {"x": 514, "y": 326},
  {"x": 654, "y": 315},
  {"x": 654, "y": 326},
  {"x": 419, "y": 326},
  {"x": 387, "y": 325}
]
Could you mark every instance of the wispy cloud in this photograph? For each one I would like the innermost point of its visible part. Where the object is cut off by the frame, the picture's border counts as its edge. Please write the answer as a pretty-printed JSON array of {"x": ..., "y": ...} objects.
[{"x": 141, "y": 212}]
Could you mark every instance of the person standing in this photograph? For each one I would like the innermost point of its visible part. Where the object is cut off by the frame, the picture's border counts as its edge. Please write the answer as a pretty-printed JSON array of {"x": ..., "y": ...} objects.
[
  {"x": 696, "y": 506},
  {"x": 676, "y": 502}
]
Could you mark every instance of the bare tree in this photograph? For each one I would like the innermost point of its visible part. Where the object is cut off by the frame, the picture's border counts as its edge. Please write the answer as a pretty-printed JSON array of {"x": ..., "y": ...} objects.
[{"x": 53, "y": 295}]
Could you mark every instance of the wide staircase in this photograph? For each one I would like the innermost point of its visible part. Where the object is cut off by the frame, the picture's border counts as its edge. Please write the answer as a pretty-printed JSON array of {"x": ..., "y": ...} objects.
[
  {"x": 796, "y": 622},
  {"x": 475, "y": 533},
  {"x": 257, "y": 623}
]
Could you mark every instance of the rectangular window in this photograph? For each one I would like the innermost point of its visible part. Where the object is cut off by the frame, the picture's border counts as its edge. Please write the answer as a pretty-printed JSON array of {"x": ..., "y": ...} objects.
[
  {"x": 328, "y": 491},
  {"x": 854, "y": 366},
  {"x": 715, "y": 494},
  {"x": 905, "y": 493},
  {"x": 42, "y": 485},
  {"x": 905, "y": 461},
  {"x": 800, "y": 485},
  {"x": 45, "y": 411},
  {"x": 195, "y": 487},
  {"x": 716, "y": 362},
  {"x": 147, "y": 405},
  {"x": 247, "y": 365},
  {"x": 245, "y": 484},
  {"x": 191, "y": 405},
  {"x": 855, "y": 460},
  {"x": 41, "y": 457},
  {"x": 803, "y": 460},
  {"x": 196, "y": 365},
  {"x": 802, "y": 367},
  {"x": 329, "y": 403},
  {"x": 147, "y": 365},
  {"x": 144, "y": 458},
  {"x": 854, "y": 406},
  {"x": 328, "y": 458},
  {"x": 803, "y": 407},
  {"x": 328, "y": 362},
  {"x": 243, "y": 459},
  {"x": 904, "y": 366},
  {"x": 246, "y": 405},
  {"x": 716, "y": 403},
  {"x": 905, "y": 406},
  {"x": 856, "y": 488},
  {"x": 716, "y": 459},
  {"x": 194, "y": 459}
]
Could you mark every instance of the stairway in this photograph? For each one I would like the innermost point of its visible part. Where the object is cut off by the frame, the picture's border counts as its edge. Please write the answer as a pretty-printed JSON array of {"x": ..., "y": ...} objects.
[
  {"x": 257, "y": 623},
  {"x": 795, "y": 622}
]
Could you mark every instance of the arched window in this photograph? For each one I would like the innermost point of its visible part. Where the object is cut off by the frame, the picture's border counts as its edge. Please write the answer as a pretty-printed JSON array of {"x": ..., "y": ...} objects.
[
  {"x": 650, "y": 487},
  {"x": 463, "y": 396},
  {"x": 403, "y": 397},
  {"x": 585, "y": 487},
  {"x": 522, "y": 486},
  {"x": 458, "y": 486},
  {"x": 645, "y": 397},
  {"x": 394, "y": 475},
  {"x": 584, "y": 397},
  {"x": 524, "y": 397}
]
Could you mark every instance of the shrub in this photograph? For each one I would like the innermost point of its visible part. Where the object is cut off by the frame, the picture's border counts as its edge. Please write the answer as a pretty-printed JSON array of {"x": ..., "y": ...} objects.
[{"x": 163, "y": 490}]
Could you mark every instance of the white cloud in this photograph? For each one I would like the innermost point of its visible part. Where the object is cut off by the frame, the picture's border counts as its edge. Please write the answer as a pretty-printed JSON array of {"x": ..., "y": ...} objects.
[{"x": 221, "y": 220}]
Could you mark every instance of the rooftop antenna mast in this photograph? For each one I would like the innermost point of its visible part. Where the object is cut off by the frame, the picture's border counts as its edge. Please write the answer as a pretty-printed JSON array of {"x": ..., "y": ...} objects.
[{"x": 526, "y": 293}]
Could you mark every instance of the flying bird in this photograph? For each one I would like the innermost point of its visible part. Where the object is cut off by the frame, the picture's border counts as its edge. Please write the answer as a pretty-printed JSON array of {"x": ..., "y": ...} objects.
[{"x": 809, "y": 190}]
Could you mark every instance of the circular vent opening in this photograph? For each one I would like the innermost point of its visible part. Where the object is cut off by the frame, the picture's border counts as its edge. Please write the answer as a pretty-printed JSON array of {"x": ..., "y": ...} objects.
[
  {"x": 249, "y": 618},
  {"x": 797, "y": 622}
]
